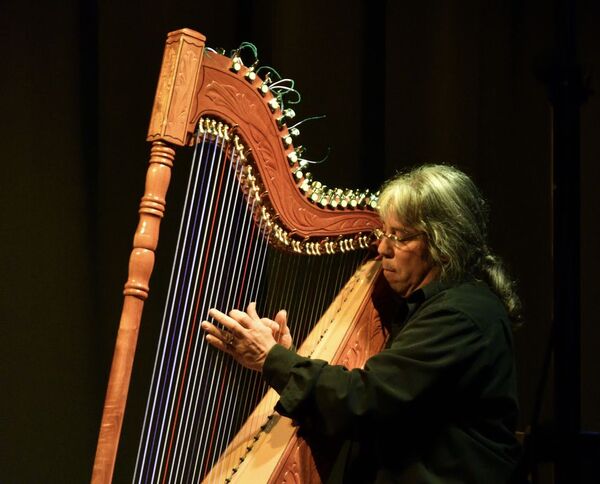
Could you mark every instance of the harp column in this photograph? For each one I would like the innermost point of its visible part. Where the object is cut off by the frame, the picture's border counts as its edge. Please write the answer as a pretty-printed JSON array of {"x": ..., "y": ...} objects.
[{"x": 169, "y": 125}]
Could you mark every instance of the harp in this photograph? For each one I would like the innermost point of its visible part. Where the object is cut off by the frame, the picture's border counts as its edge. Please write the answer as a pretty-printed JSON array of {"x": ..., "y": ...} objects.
[{"x": 255, "y": 226}]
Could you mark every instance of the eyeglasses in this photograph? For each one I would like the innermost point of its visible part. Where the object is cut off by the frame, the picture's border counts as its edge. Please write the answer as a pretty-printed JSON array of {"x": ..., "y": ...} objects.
[{"x": 394, "y": 239}]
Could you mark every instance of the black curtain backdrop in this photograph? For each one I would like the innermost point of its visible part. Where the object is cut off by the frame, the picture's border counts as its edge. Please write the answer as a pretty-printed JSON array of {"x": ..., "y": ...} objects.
[{"x": 401, "y": 83}]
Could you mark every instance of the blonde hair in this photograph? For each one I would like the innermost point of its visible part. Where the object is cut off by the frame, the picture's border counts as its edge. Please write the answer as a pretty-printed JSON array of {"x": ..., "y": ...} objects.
[{"x": 443, "y": 202}]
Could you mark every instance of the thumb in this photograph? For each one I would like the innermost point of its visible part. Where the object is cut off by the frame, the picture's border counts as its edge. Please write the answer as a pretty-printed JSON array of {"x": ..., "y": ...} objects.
[{"x": 281, "y": 319}]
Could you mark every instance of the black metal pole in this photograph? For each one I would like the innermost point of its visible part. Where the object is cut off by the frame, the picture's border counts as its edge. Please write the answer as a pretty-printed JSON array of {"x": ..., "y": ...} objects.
[{"x": 566, "y": 95}]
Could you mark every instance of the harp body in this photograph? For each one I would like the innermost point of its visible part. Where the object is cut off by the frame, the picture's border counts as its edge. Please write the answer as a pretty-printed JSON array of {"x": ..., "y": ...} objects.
[{"x": 201, "y": 91}]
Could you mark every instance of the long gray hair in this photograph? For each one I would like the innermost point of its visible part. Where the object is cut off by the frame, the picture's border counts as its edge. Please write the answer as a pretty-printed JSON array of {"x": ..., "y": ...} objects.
[{"x": 444, "y": 203}]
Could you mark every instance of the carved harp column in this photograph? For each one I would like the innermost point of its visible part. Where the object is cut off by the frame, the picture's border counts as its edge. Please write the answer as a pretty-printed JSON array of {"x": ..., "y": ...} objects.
[
  {"x": 204, "y": 93},
  {"x": 169, "y": 124}
]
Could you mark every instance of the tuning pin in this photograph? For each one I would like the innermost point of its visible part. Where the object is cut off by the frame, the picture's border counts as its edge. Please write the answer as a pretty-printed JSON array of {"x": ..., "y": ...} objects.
[
  {"x": 273, "y": 104},
  {"x": 287, "y": 114},
  {"x": 287, "y": 140},
  {"x": 292, "y": 157},
  {"x": 263, "y": 88},
  {"x": 236, "y": 64},
  {"x": 305, "y": 186},
  {"x": 325, "y": 199},
  {"x": 361, "y": 199},
  {"x": 250, "y": 76},
  {"x": 225, "y": 131}
]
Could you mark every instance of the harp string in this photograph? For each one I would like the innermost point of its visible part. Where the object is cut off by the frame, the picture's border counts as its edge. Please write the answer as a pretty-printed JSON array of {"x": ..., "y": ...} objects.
[
  {"x": 224, "y": 437},
  {"x": 206, "y": 212},
  {"x": 313, "y": 294},
  {"x": 221, "y": 432},
  {"x": 216, "y": 370},
  {"x": 199, "y": 399},
  {"x": 243, "y": 389},
  {"x": 148, "y": 431},
  {"x": 192, "y": 393},
  {"x": 255, "y": 386},
  {"x": 171, "y": 421},
  {"x": 207, "y": 180},
  {"x": 219, "y": 372}
]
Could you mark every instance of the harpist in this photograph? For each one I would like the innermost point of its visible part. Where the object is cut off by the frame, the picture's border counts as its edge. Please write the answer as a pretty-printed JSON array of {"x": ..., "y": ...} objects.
[{"x": 438, "y": 404}]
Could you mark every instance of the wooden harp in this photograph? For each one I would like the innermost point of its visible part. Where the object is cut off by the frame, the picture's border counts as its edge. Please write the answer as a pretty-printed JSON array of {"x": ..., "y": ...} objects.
[{"x": 247, "y": 190}]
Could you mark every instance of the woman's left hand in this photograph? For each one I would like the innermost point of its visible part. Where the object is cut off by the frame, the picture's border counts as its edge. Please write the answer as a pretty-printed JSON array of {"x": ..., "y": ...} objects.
[{"x": 246, "y": 338}]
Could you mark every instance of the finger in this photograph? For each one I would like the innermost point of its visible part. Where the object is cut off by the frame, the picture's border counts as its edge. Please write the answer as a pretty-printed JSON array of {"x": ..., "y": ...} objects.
[
  {"x": 215, "y": 337},
  {"x": 281, "y": 320},
  {"x": 211, "y": 329},
  {"x": 272, "y": 325},
  {"x": 242, "y": 318},
  {"x": 230, "y": 323},
  {"x": 217, "y": 343},
  {"x": 251, "y": 310}
]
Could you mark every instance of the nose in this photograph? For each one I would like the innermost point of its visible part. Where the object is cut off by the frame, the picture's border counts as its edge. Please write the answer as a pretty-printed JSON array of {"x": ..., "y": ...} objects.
[{"x": 384, "y": 247}]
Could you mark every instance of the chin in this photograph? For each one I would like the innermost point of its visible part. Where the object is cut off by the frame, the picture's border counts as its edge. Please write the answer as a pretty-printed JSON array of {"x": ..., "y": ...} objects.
[{"x": 400, "y": 290}]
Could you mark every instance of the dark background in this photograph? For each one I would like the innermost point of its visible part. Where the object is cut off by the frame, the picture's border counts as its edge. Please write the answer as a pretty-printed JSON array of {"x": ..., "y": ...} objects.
[{"x": 401, "y": 82}]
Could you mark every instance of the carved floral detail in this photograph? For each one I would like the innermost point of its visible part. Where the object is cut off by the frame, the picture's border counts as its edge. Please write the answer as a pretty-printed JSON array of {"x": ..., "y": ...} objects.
[
  {"x": 161, "y": 101},
  {"x": 366, "y": 339},
  {"x": 184, "y": 83},
  {"x": 299, "y": 468},
  {"x": 228, "y": 96},
  {"x": 174, "y": 95}
]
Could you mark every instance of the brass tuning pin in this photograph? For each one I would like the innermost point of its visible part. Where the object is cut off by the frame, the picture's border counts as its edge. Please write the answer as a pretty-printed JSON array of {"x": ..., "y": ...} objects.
[
  {"x": 236, "y": 64},
  {"x": 273, "y": 104},
  {"x": 288, "y": 138},
  {"x": 287, "y": 114},
  {"x": 263, "y": 88}
]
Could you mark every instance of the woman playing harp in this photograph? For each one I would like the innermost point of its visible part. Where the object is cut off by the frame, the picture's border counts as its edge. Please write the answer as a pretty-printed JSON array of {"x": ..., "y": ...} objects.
[{"x": 438, "y": 403}]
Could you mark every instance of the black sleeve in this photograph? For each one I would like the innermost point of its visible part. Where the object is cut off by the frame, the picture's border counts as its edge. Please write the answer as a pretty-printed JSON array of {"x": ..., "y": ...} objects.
[{"x": 429, "y": 353}]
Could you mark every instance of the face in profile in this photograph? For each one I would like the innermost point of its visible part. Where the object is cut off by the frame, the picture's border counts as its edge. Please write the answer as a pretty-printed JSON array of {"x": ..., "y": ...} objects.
[{"x": 405, "y": 258}]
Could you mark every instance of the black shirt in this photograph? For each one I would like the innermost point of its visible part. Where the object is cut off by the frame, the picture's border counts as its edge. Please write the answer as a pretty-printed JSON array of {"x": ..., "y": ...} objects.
[{"x": 437, "y": 405}]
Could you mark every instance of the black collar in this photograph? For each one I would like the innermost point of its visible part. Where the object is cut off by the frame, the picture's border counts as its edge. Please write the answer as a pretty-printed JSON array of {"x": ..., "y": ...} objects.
[{"x": 422, "y": 294}]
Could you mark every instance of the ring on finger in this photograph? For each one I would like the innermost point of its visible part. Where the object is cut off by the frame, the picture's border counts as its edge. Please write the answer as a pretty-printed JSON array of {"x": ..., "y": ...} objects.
[{"x": 228, "y": 339}]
